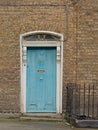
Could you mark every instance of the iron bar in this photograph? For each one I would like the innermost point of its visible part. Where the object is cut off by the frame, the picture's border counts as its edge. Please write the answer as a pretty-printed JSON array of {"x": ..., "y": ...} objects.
[
  {"x": 69, "y": 107},
  {"x": 84, "y": 101},
  {"x": 79, "y": 97},
  {"x": 97, "y": 110},
  {"x": 75, "y": 99},
  {"x": 93, "y": 103},
  {"x": 88, "y": 100}
]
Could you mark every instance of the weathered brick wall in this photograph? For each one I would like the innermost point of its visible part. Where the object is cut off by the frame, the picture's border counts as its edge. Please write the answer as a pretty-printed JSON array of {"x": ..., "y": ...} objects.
[
  {"x": 16, "y": 20},
  {"x": 87, "y": 41},
  {"x": 80, "y": 54}
]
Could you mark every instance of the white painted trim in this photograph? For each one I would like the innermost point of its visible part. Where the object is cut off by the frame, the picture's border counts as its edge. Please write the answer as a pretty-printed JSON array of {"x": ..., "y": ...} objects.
[
  {"x": 41, "y": 43},
  {"x": 45, "y": 32},
  {"x": 59, "y": 47}
]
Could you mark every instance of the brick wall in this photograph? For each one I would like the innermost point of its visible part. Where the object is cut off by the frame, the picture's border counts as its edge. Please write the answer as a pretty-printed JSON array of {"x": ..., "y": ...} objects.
[
  {"x": 87, "y": 41},
  {"x": 80, "y": 45},
  {"x": 16, "y": 20}
]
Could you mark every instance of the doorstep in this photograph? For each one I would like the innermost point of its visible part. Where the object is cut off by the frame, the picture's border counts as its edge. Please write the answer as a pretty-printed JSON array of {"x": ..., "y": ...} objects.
[{"x": 42, "y": 117}]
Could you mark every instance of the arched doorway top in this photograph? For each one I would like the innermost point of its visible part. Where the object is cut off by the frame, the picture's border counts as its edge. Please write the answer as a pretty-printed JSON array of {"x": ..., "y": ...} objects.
[{"x": 42, "y": 36}]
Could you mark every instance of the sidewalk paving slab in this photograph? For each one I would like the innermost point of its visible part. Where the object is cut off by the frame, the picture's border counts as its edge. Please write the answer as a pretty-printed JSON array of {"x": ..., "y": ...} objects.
[{"x": 39, "y": 125}]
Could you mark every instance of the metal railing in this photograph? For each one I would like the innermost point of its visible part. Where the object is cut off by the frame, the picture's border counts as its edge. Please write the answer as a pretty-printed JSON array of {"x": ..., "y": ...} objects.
[{"x": 82, "y": 100}]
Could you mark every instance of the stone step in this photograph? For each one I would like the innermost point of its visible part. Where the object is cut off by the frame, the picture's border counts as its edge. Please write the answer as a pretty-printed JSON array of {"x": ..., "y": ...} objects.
[
  {"x": 87, "y": 123},
  {"x": 42, "y": 117}
]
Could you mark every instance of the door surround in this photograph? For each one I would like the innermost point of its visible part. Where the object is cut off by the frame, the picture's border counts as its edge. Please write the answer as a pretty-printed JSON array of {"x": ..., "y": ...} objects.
[{"x": 58, "y": 43}]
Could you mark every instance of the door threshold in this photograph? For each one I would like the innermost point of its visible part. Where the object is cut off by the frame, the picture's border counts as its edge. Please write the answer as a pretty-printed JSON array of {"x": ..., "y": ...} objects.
[
  {"x": 42, "y": 116},
  {"x": 51, "y": 115}
]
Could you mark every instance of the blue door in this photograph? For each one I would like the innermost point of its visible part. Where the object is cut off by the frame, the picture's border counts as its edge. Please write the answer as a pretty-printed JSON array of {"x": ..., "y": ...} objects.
[{"x": 41, "y": 79}]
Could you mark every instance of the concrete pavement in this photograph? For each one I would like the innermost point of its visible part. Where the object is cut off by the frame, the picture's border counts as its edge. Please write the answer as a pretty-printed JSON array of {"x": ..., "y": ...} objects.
[{"x": 30, "y": 125}]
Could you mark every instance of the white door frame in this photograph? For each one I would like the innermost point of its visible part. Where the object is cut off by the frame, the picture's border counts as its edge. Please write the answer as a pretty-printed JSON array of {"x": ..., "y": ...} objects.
[{"x": 23, "y": 54}]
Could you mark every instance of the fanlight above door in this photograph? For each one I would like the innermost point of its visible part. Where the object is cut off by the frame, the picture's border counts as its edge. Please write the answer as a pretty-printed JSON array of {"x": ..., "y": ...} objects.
[{"x": 41, "y": 37}]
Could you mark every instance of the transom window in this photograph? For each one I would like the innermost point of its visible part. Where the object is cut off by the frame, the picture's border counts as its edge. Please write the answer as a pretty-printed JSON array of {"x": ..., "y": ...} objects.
[{"x": 41, "y": 37}]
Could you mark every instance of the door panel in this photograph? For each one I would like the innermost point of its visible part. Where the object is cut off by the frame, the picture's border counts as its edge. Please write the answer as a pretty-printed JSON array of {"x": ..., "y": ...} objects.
[{"x": 41, "y": 79}]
